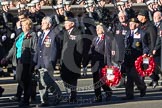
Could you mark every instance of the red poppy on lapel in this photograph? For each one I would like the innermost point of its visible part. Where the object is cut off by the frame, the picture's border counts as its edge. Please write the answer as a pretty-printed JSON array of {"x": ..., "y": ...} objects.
[
  {"x": 160, "y": 33},
  {"x": 28, "y": 36},
  {"x": 46, "y": 38},
  {"x": 143, "y": 27},
  {"x": 102, "y": 37},
  {"x": 125, "y": 25}
]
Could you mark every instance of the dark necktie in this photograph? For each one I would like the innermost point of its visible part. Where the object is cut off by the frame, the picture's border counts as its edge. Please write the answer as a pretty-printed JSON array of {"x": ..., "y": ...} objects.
[
  {"x": 156, "y": 24},
  {"x": 41, "y": 39},
  {"x": 132, "y": 33},
  {"x": 131, "y": 37},
  {"x": 98, "y": 40}
]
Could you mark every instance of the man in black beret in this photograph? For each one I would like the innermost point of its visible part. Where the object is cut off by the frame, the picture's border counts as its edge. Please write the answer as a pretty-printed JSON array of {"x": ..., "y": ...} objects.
[
  {"x": 151, "y": 37},
  {"x": 134, "y": 48},
  {"x": 71, "y": 57},
  {"x": 143, "y": 13}
]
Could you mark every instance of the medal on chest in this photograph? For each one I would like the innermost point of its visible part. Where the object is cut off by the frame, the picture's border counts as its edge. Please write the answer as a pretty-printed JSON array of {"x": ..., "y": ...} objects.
[{"x": 47, "y": 41}]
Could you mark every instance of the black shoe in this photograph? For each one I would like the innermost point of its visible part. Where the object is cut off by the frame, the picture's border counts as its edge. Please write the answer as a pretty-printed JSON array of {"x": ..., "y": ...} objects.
[
  {"x": 33, "y": 100},
  {"x": 108, "y": 96},
  {"x": 150, "y": 84},
  {"x": 1, "y": 74},
  {"x": 56, "y": 102},
  {"x": 142, "y": 93},
  {"x": 14, "y": 77},
  {"x": 43, "y": 105},
  {"x": 98, "y": 99},
  {"x": 15, "y": 98},
  {"x": 72, "y": 100},
  {"x": 128, "y": 98},
  {"x": 154, "y": 84},
  {"x": 1, "y": 91},
  {"x": 23, "y": 104}
]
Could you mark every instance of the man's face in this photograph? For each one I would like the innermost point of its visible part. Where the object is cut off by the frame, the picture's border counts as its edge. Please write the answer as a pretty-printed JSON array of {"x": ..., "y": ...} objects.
[
  {"x": 61, "y": 11},
  {"x": 157, "y": 17},
  {"x": 21, "y": 17},
  {"x": 5, "y": 8},
  {"x": 122, "y": 18},
  {"x": 101, "y": 3},
  {"x": 45, "y": 25},
  {"x": 38, "y": 6},
  {"x": 133, "y": 25},
  {"x": 32, "y": 9},
  {"x": 99, "y": 30},
  {"x": 67, "y": 7},
  {"x": 140, "y": 18},
  {"x": 139, "y": 1},
  {"x": 68, "y": 25}
]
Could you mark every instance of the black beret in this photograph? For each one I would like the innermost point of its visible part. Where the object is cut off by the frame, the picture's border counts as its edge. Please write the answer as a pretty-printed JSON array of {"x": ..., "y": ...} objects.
[
  {"x": 134, "y": 20},
  {"x": 71, "y": 19},
  {"x": 143, "y": 13}
]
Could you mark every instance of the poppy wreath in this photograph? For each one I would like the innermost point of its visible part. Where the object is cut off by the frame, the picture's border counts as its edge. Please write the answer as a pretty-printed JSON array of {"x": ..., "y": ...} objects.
[
  {"x": 149, "y": 70},
  {"x": 111, "y": 79}
]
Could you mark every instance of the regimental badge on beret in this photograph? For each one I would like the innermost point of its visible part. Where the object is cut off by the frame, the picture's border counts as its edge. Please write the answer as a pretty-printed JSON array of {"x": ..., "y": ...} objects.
[
  {"x": 66, "y": 18},
  {"x": 101, "y": 24},
  {"x": 69, "y": 18},
  {"x": 137, "y": 44}
]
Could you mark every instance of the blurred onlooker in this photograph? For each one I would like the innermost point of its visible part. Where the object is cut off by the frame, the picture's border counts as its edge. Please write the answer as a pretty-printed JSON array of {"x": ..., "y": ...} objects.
[{"x": 139, "y": 1}]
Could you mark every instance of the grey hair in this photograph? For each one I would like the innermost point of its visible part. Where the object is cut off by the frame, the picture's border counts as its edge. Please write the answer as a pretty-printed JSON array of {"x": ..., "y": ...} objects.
[
  {"x": 122, "y": 12},
  {"x": 48, "y": 19},
  {"x": 158, "y": 12}
]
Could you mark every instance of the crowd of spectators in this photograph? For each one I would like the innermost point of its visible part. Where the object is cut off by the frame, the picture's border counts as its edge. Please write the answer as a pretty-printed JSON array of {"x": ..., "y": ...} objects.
[{"x": 13, "y": 3}]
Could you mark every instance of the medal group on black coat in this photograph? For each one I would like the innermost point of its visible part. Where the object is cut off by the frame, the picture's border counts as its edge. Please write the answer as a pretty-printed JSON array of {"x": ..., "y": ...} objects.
[{"x": 72, "y": 41}]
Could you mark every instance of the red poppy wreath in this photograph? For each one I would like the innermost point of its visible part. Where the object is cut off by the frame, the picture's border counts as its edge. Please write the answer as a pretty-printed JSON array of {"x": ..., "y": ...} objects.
[
  {"x": 111, "y": 75},
  {"x": 151, "y": 66}
]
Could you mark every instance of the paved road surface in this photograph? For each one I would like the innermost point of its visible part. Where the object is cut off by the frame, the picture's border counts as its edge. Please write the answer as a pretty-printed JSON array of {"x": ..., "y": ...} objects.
[{"x": 153, "y": 99}]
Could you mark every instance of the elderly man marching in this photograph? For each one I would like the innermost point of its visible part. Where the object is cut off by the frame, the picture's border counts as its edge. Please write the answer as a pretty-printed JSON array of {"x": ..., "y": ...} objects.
[
  {"x": 45, "y": 59},
  {"x": 135, "y": 47},
  {"x": 71, "y": 57}
]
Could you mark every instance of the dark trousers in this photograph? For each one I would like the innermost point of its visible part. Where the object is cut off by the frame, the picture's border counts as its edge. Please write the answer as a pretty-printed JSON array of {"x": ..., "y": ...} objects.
[
  {"x": 19, "y": 91},
  {"x": 98, "y": 84},
  {"x": 133, "y": 77},
  {"x": 72, "y": 85},
  {"x": 24, "y": 76},
  {"x": 86, "y": 47},
  {"x": 155, "y": 75},
  {"x": 33, "y": 90},
  {"x": 97, "y": 64},
  {"x": 85, "y": 59}
]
